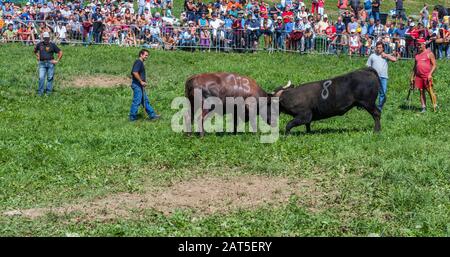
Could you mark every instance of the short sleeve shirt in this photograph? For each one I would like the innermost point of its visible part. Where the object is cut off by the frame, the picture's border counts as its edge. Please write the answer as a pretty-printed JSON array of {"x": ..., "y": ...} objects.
[
  {"x": 46, "y": 51},
  {"x": 138, "y": 67}
]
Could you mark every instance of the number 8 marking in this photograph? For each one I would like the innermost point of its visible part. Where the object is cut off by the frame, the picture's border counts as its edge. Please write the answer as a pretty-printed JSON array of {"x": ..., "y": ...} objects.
[{"x": 325, "y": 92}]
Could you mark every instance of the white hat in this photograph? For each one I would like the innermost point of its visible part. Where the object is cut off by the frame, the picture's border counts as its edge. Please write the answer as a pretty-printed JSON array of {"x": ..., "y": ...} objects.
[
  {"x": 325, "y": 16},
  {"x": 45, "y": 34},
  {"x": 353, "y": 31},
  {"x": 412, "y": 24}
]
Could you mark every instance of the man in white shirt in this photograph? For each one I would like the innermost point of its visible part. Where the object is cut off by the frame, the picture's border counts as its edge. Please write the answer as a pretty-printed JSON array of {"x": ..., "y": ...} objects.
[
  {"x": 215, "y": 23},
  {"x": 61, "y": 31}
]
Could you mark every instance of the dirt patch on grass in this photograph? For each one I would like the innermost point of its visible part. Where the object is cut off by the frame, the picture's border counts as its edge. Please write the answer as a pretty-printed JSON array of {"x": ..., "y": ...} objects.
[
  {"x": 202, "y": 195},
  {"x": 98, "y": 81}
]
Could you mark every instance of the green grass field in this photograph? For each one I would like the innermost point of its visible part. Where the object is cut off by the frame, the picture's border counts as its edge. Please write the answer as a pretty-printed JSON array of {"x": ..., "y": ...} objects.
[{"x": 77, "y": 147}]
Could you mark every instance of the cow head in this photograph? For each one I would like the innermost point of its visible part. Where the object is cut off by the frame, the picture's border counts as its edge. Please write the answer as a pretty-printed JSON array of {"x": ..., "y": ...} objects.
[{"x": 279, "y": 90}]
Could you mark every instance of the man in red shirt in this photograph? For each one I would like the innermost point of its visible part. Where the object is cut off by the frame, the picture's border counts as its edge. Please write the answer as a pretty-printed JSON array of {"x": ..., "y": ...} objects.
[{"x": 422, "y": 76}]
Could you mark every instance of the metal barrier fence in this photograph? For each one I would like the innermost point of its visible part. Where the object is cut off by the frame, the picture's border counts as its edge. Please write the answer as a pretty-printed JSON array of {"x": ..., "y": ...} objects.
[{"x": 168, "y": 37}]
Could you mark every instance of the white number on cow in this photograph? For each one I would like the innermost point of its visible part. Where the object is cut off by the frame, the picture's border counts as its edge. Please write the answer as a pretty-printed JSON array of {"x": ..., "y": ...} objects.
[{"x": 325, "y": 91}]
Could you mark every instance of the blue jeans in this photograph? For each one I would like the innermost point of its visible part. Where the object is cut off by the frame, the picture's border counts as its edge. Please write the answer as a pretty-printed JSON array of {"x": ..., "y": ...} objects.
[
  {"x": 137, "y": 101},
  {"x": 375, "y": 15},
  {"x": 443, "y": 51},
  {"x": 382, "y": 93},
  {"x": 141, "y": 9},
  {"x": 46, "y": 68}
]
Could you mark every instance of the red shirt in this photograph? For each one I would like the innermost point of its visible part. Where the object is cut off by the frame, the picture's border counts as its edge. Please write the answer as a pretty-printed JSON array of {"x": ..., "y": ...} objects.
[
  {"x": 331, "y": 30},
  {"x": 414, "y": 33},
  {"x": 423, "y": 64},
  {"x": 287, "y": 16}
]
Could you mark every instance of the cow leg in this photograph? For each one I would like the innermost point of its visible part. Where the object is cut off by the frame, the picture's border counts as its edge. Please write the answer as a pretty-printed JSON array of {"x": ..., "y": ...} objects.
[
  {"x": 376, "y": 115},
  {"x": 304, "y": 119},
  {"x": 308, "y": 127},
  {"x": 202, "y": 121},
  {"x": 189, "y": 119}
]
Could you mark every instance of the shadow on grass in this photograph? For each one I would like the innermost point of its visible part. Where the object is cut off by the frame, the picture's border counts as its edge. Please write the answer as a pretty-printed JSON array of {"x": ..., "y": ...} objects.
[
  {"x": 411, "y": 108},
  {"x": 325, "y": 131}
]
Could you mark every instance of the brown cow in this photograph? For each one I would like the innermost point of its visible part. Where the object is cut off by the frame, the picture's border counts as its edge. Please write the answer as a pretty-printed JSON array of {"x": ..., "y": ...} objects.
[{"x": 225, "y": 85}]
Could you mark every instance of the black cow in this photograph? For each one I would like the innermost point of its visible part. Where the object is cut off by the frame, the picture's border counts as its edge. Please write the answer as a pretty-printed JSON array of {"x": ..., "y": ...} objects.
[{"x": 327, "y": 98}]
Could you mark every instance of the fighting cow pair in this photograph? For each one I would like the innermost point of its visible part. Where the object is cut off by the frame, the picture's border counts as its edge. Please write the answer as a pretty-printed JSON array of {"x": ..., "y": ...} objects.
[{"x": 305, "y": 103}]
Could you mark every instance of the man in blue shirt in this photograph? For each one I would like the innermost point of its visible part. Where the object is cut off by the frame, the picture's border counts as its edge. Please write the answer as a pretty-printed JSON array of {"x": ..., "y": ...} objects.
[
  {"x": 340, "y": 26},
  {"x": 137, "y": 85},
  {"x": 401, "y": 30}
]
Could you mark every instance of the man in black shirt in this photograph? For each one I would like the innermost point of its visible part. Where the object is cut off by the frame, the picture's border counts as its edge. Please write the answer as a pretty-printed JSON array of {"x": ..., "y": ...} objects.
[
  {"x": 399, "y": 10},
  {"x": 375, "y": 9},
  {"x": 44, "y": 51},
  {"x": 137, "y": 85}
]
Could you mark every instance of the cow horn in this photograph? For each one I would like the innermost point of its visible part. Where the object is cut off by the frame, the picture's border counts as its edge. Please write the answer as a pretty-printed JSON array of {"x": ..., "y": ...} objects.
[{"x": 288, "y": 85}]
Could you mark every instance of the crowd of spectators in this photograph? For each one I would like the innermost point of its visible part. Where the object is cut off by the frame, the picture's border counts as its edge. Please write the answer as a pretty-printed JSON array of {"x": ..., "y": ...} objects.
[{"x": 288, "y": 25}]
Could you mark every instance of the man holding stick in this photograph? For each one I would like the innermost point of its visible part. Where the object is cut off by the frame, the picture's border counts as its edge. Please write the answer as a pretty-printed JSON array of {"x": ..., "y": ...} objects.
[
  {"x": 422, "y": 75},
  {"x": 138, "y": 85}
]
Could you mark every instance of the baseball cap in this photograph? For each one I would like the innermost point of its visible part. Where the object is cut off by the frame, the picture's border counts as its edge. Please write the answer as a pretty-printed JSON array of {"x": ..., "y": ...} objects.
[{"x": 45, "y": 34}]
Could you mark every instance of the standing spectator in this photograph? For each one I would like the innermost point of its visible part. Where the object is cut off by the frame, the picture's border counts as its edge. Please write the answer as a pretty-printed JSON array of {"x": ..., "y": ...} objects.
[
  {"x": 347, "y": 17},
  {"x": 138, "y": 84},
  {"x": 342, "y": 5},
  {"x": 375, "y": 9},
  {"x": 60, "y": 32},
  {"x": 267, "y": 30},
  {"x": 435, "y": 15},
  {"x": 279, "y": 32},
  {"x": 443, "y": 41},
  {"x": 340, "y": 26},
  {"x": 87, "y": 26},
  {"x": 354, "y": 43},
  {"x": 98, "y": 27},
  {"x": 203, "y": 21},
  {"x": 368, "y": 8},
  {"x": 321, "y": 7},
  {"x": 217, "y": 31},
  {"x": 378, "y": 29},
  {"x": 399, "y": 11},
  {"x": 379, "y": 61},
  {"x": 287, "y": 15},
  {"x": 205, "y": 37},
  {"x": 362, "y": 14},
  {"x": 424, "y": 15},
  {"x": 354, "y": 4},
  {"x": 401, "y": 30},
  {"x": 353, "y": 25},
  {"x": 44, "y": 51},
  {"x": 314, "y": 6},
  {"x": 141, "y": 7},
  {"x": 264, "y": 9},
  {"x": 422, "y": 76}
]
